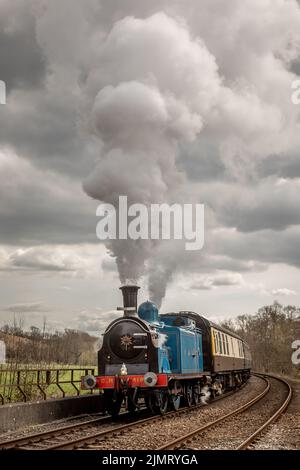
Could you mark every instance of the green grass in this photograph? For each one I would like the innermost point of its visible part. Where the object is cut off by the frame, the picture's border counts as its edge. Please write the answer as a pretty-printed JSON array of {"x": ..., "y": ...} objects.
[{"x": 28, "y": 381}]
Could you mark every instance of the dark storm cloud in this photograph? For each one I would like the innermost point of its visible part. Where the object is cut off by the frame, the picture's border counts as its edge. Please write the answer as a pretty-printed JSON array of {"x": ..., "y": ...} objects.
[
  {"x": 41, "y": 119},
  {"x": 296, "y": 67},
  {"x": 45, "y": 58},
  {"x": 267, "y": 246},
  {"x": 22, "y": 62},
  {"x": 201, "y": 160},
  {"x": 58, "y": 225},
  {"x": 285, "y": 166},
  {"x": 42, "y": 207},
  {"x": 42, "y": 126},
  {"x": 270, "y": 204}
]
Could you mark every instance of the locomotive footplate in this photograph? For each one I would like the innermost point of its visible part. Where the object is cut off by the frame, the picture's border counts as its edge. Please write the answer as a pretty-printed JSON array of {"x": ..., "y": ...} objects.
[{"x": 130, "y": 381}]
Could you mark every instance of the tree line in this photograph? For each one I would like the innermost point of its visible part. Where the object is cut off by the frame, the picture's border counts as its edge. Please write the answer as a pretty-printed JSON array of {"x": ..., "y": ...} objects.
[
  {"x": 270, "y": 334},
  {"x": 37, "y": 346}
]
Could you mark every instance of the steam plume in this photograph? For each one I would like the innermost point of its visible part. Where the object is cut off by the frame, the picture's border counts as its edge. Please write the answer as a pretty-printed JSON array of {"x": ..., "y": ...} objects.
[{"x": 150, "y": 88}]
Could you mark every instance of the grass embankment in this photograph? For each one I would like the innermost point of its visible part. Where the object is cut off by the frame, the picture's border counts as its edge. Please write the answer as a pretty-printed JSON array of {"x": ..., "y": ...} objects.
[{"x": 29, "y": 378}]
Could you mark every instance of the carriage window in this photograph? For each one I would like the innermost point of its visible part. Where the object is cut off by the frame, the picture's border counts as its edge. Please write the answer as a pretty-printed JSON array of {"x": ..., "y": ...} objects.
[
  {"x": 223, "y": 343},
  {"x": 236, "y": 346},
  {"x": 227, "y": 345},
  {"x": 220, "y": 343},
  {"x": 217, "y": 343}
]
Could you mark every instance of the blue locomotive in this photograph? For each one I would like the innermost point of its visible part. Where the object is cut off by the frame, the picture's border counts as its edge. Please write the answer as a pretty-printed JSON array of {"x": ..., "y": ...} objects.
[{"x": 165, "y": 359}]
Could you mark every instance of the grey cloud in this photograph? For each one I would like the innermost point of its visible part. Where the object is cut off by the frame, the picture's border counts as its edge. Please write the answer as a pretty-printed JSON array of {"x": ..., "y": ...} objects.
[
  {"x": 230, "y": 279},
  {"x": 39, "y": 207},
  {"x": 249, "y": 138},
  {"x": 38, "y": 260},
  {"x": 201, "y": 160},
  {"x": 266, "y": 246},
  {"x": 27, "y": 307},
  {"x": 273, "y": 204},
  {"x": 283, "y": 292},
  {"x": 109, "y": 264},
  {"x": 285, "y": 166},
  {"x": 224, "y": 279},
  {"x": 22, "y": 61},
  {"x": 95, "y": 322},
  {"x": 43, "y": 127},
  {"x": 296, "y": 67}
]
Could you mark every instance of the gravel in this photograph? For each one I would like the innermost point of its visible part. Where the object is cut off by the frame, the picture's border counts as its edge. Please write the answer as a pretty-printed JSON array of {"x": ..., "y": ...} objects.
[
  {"x": 154, "y": 435},
  {"x": 231, "y": 433},
  {"x": 285, "y": 433},
  {"x": 46, "y": 427}
]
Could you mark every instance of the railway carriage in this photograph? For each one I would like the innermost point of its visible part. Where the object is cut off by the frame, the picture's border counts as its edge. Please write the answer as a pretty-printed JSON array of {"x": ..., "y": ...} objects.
[{"x": 166, "y": 359}]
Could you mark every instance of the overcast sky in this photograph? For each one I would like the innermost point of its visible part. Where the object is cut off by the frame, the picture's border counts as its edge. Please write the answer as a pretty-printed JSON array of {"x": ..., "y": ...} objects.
[{"x": 224, "y": 69}]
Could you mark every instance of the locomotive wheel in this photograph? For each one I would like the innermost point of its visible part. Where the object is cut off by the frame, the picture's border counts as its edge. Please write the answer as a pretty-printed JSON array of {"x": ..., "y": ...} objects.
[
  {"x": 175, "y": 402},
  {"x": 163, "y": 402},
  {"x": 189, "y": 395},
  {"x": 157, "y": 402}
]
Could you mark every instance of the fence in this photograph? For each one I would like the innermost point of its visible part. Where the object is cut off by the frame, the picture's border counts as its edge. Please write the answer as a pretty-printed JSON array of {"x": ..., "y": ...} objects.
[{"x": 24, "y": 385}]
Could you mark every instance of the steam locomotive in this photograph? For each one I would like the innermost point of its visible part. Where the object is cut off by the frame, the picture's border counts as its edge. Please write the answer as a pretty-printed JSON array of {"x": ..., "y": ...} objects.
[{"x": 165, "y": 360}]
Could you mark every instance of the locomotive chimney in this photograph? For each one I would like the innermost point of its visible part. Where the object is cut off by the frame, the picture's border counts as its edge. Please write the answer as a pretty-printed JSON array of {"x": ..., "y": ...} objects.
[{"x": 130, "y": 300}]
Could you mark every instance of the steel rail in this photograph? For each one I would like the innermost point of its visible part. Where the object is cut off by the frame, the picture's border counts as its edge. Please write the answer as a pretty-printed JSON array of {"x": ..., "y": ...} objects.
[
  {"x": 176, "y": 443},
  {"x": 26, "y": 443},
  {"x": 75, "y": 443},
  {"x": 40, "y": 436},
  {"x": 247, "y": 442}
]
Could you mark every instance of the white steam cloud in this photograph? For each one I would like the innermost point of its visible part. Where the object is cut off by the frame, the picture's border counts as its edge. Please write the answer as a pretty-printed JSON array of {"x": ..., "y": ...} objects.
[
  {"x": 164, "y": 84},
  {"x": 152, "y": 86}
]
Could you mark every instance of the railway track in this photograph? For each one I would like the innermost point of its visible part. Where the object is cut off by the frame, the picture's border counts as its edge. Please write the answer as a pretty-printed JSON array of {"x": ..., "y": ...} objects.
[
  {"x": 64, "y": 438},
  {"x": 246, "y": 444},
  {"x": 46, "y": 438},
  {"x": 87, "y": 435},
  {"x": 187, "y": 440}
]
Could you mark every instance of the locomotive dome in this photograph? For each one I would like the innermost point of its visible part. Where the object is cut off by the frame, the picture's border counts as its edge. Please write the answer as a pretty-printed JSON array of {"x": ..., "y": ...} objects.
[{"x": 148, "y": 311}]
